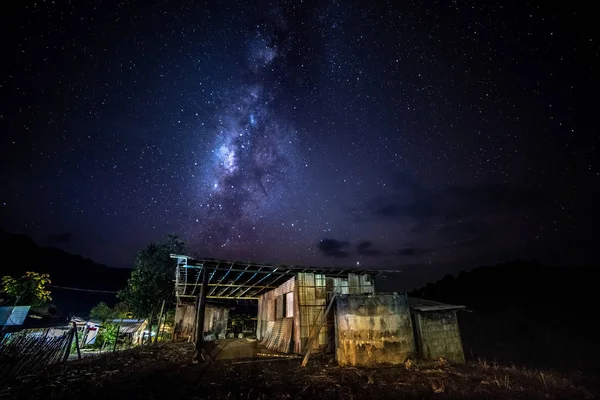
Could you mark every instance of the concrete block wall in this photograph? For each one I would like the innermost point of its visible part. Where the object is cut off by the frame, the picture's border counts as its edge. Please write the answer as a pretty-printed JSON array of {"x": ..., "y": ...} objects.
[{"x": 439, "y": 336}]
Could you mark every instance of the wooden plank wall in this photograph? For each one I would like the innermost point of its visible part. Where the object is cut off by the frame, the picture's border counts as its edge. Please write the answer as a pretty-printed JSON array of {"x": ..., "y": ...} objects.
[
  {"x": 185, "y": 319},
  {"x": 215, "y": 320}
]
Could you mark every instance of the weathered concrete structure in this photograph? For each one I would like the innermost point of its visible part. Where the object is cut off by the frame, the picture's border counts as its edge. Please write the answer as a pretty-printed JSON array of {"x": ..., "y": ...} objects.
[
  {"x": 373, "y": 330},
  {"x": 436, "y": 330}
]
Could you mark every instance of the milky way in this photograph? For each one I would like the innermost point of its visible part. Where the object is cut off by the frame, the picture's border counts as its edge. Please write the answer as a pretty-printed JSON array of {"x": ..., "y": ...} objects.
[
  {"x": 252, "y": 157},
  {"x": 427, "y": 136}
]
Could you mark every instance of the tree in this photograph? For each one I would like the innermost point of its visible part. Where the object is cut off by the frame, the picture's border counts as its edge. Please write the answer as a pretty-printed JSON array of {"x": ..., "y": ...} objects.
[
  {"x": 107, "y": 335},
  {"x": 103, "y": 312},
  {"x": 31, "y": 289},
  {"x": 151, "y": 280}
]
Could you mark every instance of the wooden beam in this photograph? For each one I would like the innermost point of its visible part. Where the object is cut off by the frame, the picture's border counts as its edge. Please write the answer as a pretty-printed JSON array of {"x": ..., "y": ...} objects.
[
  {"x": 315, "y": 334},
  {"x": 223, "y": 297},
  {"x": 77, "y": 340},
  {"x": 234, "y": 285},
  {"x": 235, "y": 280},
  {"x": 221, "y": 280},
  {"x": 255, "y": 285},
  {"x": 199, "y": 352}
]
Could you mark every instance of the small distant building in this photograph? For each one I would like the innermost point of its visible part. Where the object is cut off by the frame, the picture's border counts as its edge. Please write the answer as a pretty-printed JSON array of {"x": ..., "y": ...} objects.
[
  {"x": 132, "y": 329},
  {"x": 436, "y": 330}
]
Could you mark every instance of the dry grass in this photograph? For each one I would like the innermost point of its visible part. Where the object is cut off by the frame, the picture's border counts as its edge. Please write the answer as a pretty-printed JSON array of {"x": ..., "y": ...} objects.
[{"x": 166, "y": 372}]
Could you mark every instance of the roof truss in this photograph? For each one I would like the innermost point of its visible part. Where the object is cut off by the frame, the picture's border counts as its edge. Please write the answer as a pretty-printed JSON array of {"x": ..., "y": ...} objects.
[{"x": 234, "y": 280}]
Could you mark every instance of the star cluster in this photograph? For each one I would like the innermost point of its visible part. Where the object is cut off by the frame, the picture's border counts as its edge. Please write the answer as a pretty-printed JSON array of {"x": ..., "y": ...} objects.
[{"x": 429, "y": 137}]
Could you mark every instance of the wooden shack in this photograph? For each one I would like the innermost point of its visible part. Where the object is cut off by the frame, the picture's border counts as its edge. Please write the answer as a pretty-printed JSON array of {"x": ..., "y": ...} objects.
[
  {"x": 321, "y": 309},
  {"x": 436, "y": 330},
  {"x": 289, "y": 313},
  {"x": 291, "y": 300}
]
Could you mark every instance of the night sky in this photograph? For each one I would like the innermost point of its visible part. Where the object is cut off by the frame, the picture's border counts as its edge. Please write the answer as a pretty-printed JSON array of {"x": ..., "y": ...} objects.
[{"x": 427, "y": 136}]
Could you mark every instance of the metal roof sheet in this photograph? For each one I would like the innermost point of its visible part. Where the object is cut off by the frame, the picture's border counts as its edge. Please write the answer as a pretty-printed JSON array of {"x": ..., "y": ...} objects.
[
  {"x": 419, "y": 304},
  {"x": 129, "y": 325}
]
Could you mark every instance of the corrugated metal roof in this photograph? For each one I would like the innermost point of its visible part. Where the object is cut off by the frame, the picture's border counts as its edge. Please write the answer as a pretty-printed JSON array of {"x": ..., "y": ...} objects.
[
  {"x": 13, "y": 315},
  {"x": 430, "y": 305},
  {"x": 129, "y": 325}
]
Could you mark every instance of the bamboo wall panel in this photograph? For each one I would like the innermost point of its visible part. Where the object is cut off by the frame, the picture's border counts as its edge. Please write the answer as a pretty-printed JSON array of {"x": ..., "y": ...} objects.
[{"x": 312, "y": 297}]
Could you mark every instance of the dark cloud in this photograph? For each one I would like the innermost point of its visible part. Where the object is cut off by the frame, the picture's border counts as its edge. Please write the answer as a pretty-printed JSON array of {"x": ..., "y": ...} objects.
[
  {"x": 365, "y": 248},
  {"x": 411, "y": 252},
  {"x": 454, "y": 202},
  {"x": 467, "y": 234},
  {"x": 334, "y": 248},
  {"x": 457, "y": 215},
  {"x": 61, "y": 238}
]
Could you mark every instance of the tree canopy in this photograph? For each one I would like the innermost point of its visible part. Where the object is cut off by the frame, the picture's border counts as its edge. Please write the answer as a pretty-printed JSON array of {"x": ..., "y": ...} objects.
[
  {"x": 30, "y": 289},
  {"x": 152, "y": 277},
  {"x": 103, "y": 312}
]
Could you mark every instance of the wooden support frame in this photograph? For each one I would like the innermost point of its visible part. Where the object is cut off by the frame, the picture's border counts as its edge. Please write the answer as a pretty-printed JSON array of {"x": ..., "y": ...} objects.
[
  {"x": 76, "y": 340},
  {"x": 315, "y": 334},
  {"x": 199, "y": 352}
]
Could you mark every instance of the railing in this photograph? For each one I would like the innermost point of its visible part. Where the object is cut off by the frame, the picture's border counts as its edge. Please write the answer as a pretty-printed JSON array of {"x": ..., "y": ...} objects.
[{"x": 24, "y": 351}]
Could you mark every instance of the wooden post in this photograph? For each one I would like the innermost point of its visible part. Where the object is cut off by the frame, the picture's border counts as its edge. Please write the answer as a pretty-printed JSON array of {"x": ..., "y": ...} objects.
[
  {"x": 68, "y": 349},
  {"x": 83, "y": 335},
  {"x": 149, "y": 340},
  {"x": 199, "y": 352},
  {"x": 315, "y": 334},
  {"x": 162, "y": 308},
  {"x": 117, "y": 337},
  {"x": 163, "y": 328},
  {"x": 77, "y": 340}
]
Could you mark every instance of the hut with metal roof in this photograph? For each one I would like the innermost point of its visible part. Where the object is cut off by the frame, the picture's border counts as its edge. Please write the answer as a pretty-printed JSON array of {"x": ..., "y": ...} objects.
[
  {"x": 437, "y": 334},
  {"x": 294, "y": 303},
  {"x": 132, "y": 329}
]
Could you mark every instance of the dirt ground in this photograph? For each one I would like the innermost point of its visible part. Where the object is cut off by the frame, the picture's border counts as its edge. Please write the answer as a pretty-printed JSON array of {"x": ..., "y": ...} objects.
[{"x": 241, "y": 371}]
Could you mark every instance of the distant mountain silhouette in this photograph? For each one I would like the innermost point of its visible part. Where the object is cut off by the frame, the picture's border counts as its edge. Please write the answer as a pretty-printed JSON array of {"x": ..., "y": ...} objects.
[
  {"x": 522, "y": 284},
  {"x": 22, "y": 254},
  {"x": 525, "y": 313}
]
